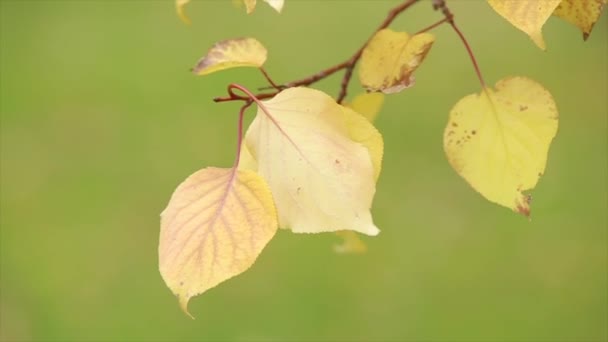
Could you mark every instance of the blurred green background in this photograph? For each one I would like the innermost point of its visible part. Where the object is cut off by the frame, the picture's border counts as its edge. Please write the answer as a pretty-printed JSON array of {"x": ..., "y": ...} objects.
[{"x": 101, "y": 120}]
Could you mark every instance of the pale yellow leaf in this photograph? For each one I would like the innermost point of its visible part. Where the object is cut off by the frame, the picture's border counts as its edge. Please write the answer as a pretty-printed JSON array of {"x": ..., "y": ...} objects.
[
  {"x": 582, "y": 13},
  {"x": 498, "y": 140},
  {"x": 277, "y": 5},
  {"x": 368, "y": 105},
  {"x": 527, "y": 15},
  {"x": 214, "y": 227},
  {"x": 181, "y": 12},
  {"x": 232, "y": 53},
  {"x": 321, "y": 177},
  {"x": 351, "y": 243},
  {"x": 390, "y": 58}
]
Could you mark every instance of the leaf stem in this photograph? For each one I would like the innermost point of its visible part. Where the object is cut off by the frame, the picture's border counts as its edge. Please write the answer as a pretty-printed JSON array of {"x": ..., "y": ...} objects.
[
  {"x": 441, "y": 5},
  {"x": 239, "y": 140},
  {"x": 272, "y": 84},
  {"x": 426, "y": 29}
]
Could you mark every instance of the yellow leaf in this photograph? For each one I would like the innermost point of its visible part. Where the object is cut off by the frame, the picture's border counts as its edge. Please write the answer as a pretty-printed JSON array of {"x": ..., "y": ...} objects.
[
  {"x": 321, "y": 177},
  {"x": 390, "y": 58},
  {"x": 581, "y": 13},
  {"x": 498, "y": 141},
  {"x": 277, "y": 5},
  {"x": 181, "y": 12},
  {"x": 368, "y": 105},
  {"x": 214, "y": 227},
  {"x": 232, "y": 53},
  {"x": 351, "y": 243},
  {"x": 361, "y": 131},
  {"x": 527, "y": 15}
]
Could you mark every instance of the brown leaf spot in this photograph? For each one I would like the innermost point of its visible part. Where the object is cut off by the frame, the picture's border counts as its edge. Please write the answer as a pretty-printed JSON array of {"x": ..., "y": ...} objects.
[
  {"x": 523, "y": 210},
  {"x": 522, "y": 108},
  {"x": 454, "y": 124},
  {"x": 473, "y": 132}
]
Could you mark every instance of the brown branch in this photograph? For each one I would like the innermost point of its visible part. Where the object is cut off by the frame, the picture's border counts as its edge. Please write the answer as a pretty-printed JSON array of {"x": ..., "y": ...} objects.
[{"x": 348, "y": 65}]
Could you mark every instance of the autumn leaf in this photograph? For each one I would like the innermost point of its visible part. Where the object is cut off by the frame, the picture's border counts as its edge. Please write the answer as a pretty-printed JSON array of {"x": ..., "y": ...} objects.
[
  {"x": 528, "y": 16},
  {"x": 181, "y": 12},
  {"x": 232, "y": 53},
  {"x": 390, "y": 58},
  {"x": 318, "y": 159},
  {"x": 581, "y": 13},
  {"x": 277, "y": 5},
  {"x": 498, "y": 140},
  {"x": 368, "y": 105},
  {"x": 214, "y": 227}
]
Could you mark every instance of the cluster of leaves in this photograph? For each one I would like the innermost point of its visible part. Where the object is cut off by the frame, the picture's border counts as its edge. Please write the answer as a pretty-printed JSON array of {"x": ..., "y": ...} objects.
[{"x": 310, "y": 163}]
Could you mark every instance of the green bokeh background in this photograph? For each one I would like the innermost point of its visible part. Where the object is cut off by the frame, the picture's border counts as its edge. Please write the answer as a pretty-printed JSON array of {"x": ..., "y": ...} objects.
[{"x": 100, "y": 120}]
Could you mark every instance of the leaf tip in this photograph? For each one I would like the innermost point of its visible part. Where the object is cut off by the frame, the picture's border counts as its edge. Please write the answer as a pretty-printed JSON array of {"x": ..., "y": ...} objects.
[
  {"x": 183, "y": 304},
  {"x": 524, "y": 206}
]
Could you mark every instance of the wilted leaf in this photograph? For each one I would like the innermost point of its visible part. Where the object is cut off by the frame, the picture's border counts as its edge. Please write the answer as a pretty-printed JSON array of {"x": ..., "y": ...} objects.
[
  {"x": 351, "y": 243},
  {"x": 390, "y": 58},
  {"x": 232, "y": 53},
  {"x": 368, "y": 105},
  {"x": 316, "y": 157},
  {"x": 527, "y": 15},
  {"x": 498, "y": 141},
  {"x": 181, "y": 12},
  {"x": 582, "y": 13},
  {"x": 214, "y": 227}
]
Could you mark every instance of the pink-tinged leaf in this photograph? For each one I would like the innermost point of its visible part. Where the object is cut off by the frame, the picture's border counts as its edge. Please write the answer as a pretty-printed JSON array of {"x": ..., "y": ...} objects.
[{"x": 214, "y": 227}]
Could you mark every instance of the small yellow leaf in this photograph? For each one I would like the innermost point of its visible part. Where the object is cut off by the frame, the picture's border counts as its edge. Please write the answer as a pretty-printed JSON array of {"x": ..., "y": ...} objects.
[
  {"x": 368, "y": 105},
  {"x": 351, "y": 243},
  {"x": 528, "y": 16},
  {"x": 321, "y": 177},
  {"x": 214, "y": 227},
  {"x": 232, "y": 53},
  {"x": 181, "y": 12},
  {"x": 498, "y": 141},
  {"x": 277, "y": 5},
  {"x": 360, "y": 131},
  {"x": 390, "y": 58},
  {"x": 581, "y": 13}
]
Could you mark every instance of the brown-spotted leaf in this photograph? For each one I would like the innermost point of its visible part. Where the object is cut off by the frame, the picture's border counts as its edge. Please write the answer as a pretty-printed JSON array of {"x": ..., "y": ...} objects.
[
  {"x": 214, "y": 227},
  {"x": 232, "y": 53},
  {"x": 527, "y": 15},
  {"x": 581, "y": 13},
  {"x": 390, "y": 58},
  {"x": 498, "y": 140}
]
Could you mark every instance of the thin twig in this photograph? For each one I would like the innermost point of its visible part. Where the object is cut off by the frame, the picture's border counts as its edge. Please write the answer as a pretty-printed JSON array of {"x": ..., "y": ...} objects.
[{"x": 272, "y": 84}]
